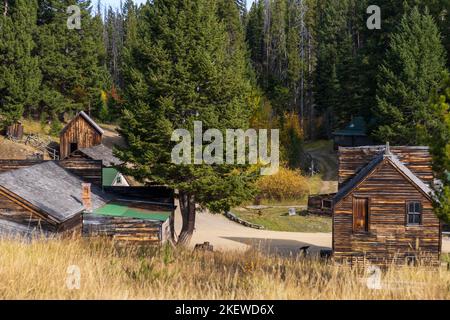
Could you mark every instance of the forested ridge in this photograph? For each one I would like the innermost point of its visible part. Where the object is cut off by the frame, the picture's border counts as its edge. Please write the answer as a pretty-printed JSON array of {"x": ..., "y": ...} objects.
[{"x": 306, "y": 67}]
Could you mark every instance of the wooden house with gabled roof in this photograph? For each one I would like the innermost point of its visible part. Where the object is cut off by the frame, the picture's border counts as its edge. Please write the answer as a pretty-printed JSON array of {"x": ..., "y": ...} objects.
[
  {"x": 48, "y": 198},
  {"x": 81, "y": 132},
  {"x": 43, "y": 199},
  {"x": 383, "y": 211}
]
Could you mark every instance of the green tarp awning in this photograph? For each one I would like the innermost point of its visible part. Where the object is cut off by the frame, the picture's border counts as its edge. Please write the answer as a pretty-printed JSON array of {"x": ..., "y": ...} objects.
[{"x": 120, "y": 210}]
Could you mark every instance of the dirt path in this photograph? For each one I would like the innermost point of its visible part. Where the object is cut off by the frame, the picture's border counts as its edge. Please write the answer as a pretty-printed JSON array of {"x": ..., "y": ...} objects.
[
  {"x": 111, "y": 138},
  {"x": 13, "y": 150},
  {"x": 328, "y": 165},
  {"x": 225, "y": 235}
]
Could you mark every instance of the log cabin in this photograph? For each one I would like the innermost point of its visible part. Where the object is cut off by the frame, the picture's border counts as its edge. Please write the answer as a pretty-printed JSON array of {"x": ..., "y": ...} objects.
[
  {"x": 43, "y": 199},
  {"x": 80, "y": 132},
  {"x": 321, "y": 204},
  {"x": 383, "y": 212},
  {"x": 48, "y": 198},
  {"x": 136, "y": 215},
  {"x": 110, "y": 175}
]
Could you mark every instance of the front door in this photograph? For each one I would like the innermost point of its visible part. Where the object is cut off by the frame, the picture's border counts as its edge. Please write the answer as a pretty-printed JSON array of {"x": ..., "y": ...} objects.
[{"x": 360, "y": 214}]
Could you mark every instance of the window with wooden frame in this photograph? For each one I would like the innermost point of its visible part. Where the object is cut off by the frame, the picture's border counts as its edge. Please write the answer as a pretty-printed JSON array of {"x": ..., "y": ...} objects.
[
  {"x": 413, "y": 213},
  {"x": 360, "y": 214}
]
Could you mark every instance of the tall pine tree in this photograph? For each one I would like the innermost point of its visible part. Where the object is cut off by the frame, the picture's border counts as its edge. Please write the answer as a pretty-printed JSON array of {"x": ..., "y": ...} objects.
[
  {"x": 71, "y": 60},
  {"x": 410, "y": 73},
  {"x": 438, "y": 137},
  {"x": 19, "y": 71},
  {"x": 179, "y": 70}
]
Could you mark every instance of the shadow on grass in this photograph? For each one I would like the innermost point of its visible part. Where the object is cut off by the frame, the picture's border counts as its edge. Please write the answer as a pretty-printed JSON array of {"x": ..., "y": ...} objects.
[{"x": 281, "y": 247}]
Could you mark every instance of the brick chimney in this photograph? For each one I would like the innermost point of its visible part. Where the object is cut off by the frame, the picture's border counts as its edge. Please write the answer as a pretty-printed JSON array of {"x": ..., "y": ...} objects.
[{"x": 86, "y": 196}]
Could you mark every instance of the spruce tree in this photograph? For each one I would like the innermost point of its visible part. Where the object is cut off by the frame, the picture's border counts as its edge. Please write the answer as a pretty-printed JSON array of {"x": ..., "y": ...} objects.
[
  {"x": 408, "y": 76},
  {"x": 71, "y": 60},
  {"x": 178, "y": 70},
  {"x": 19, "y": 71},
  {"x": 438, "y": 137},
  {"x": 255, "y": 37}
]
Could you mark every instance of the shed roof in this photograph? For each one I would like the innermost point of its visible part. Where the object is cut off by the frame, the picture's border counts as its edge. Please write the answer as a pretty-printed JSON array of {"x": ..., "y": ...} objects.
[
  {"x": 365, "y": 171},
  {"x": 101, "y": 152},
  {"x": 116, "y": 209},
  {"x": 88, "y": 119},
  {"x": 356, "y": 127},
  {"x": 50, "y": 188}
]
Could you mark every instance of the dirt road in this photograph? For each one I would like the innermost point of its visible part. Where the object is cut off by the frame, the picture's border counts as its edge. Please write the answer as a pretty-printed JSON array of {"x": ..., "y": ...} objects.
[
  {"x": 225, "y": 235},
  {"x": 328, "y": 165}
]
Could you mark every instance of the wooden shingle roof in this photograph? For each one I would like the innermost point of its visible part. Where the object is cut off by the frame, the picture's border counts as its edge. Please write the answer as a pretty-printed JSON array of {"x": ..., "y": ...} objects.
[
  {"x": 51, "y": 189},
  {"x": 103, "y": 153}
]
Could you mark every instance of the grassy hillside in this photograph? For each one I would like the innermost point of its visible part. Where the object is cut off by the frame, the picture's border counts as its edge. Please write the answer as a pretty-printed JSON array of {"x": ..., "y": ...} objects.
[{"x": 39, "y": 271}]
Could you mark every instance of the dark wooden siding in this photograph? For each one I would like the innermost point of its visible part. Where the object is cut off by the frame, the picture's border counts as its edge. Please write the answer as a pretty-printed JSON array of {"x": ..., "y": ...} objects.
[
  {"x": 315, "y": 204},
  {"x": 125, "y": 230},
  {"x": 8, "y": 165},
  {"x": 11, "y": 210},
  {"x": 88, "y": 170},
  {"x": 417, "y": 159},
  {"x": 81, "y": 132},
  {"x": 389, "y": 238},
  {"x": 148, "y": 193}
]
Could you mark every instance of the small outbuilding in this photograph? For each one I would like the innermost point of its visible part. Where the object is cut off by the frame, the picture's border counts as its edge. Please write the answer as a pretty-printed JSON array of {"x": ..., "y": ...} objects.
[
  {"x": 48, "y": 198},
  {"x": 110, "y": 175},
  {"x": 383, "y": 211},
  {"x": 353, "y": 135},
  {"x": 81, "y": 132},
  {"x": 129, "y": 222}
]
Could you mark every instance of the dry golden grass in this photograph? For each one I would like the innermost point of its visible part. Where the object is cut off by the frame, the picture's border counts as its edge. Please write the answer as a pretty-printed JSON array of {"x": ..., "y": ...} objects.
[
  {"x": 35, "y": 127},
  {"x": 39, "y": 271}
]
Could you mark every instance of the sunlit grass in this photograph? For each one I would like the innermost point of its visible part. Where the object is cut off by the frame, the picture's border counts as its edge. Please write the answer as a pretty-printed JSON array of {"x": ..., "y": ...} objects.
[
  {"x": 278, "y": 219},
  {"x": 39, "y": 271}
]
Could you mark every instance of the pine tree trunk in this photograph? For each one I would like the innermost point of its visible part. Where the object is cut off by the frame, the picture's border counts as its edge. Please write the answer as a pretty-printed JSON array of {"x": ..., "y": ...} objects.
[{"x": 187, "y": 207}]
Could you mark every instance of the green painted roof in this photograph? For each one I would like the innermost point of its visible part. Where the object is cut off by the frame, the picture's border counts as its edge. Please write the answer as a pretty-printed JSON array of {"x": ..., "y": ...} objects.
[
  {"x": 108, "y": 176},
  {"x": 357, "y": 127},
  {"x": 120, "y": 210}
]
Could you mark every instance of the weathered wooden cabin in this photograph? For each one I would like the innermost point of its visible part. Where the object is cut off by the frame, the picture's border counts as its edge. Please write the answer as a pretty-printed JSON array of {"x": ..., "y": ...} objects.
[
  {"x": 138, "y": 216},
  {"x": 321, "y": 204},
  {"x": 111, "y": 176},
  {"x": 42, "y": 199},
  {"x": 15, "y": 131},
  {"x": 353, "y": 135},
  {"x": 81, "y": 132},
  {"x": 46, "y": 198},
  {"x": 383, "y": 210}
]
